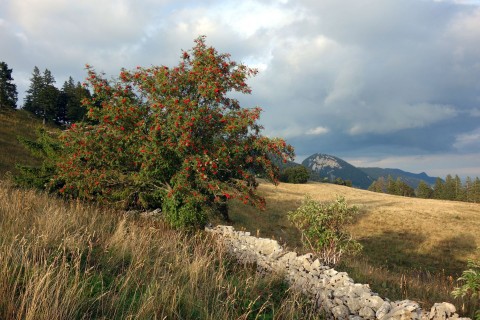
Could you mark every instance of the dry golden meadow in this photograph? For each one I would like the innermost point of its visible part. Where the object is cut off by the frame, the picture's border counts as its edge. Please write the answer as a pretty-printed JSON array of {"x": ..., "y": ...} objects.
[
  {"x": 413, "y": 248},
  {"x": 68, "y": 260}
]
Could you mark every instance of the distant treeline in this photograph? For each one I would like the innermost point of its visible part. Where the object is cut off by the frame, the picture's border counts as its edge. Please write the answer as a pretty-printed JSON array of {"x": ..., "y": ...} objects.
[
  {"x": 62, "y": 106},
  {"x": 450, "y": 189}
]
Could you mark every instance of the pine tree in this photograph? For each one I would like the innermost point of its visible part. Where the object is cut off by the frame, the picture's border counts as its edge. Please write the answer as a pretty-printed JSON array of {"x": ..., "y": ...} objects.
[
  {"x": 42, "y": 96},
  {"x": 403, "y": 189},
  {"x": 31, "y": 99},
  {"x": 476, "y": 190},
  {"x": 8, "y": 90},
  {"x": 449, "y": 188},
  {"x": 468, "y": 189},
  {"x": 438, "y": 189},
  {"x": 70, "y": 109},
  {"x": 459, "y": 189},
  {"x": 391, "y": 186},
  {"x": 378, "y": 185},
  {"x": 424, "y": 190}
]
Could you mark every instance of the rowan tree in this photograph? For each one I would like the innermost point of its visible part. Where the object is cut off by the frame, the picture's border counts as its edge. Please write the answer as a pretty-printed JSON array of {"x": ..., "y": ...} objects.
[{"x": 171, "y": 137}]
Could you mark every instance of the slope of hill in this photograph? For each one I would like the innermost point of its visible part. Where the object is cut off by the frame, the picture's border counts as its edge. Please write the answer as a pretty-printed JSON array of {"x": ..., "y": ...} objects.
[
  {"x": 412, "y": 248},
  {"x": 71, "y": 260},
  {"x": 438, "y": 234},
  {"x": 412, "y": 179},
  {"x": 14, "y": 123},
  {"x": 331, "y": 167}
]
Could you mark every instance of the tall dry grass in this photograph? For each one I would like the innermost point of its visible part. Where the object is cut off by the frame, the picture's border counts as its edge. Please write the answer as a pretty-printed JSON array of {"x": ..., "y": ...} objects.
[{"x": 68, "y": 260}]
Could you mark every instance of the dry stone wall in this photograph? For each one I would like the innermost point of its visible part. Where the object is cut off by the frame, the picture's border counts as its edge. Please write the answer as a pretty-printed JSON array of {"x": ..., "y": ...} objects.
[{"x": 334, "y": 293}]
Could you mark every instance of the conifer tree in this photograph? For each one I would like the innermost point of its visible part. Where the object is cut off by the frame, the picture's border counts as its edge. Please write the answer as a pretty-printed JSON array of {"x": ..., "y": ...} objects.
[
  {"x": 438, "y": 189},
  {"x": 449, "y": 188},
  {"x": 468, "y": 190},
  {"x": 403, "y": 189},
  {"x": 42, "y": 96},
  {"x": 424, "y": 190},
  {"x": 8, "y": 90},
  {"x": 70, "y": 107},
  {"x": 476, "y": 190},
  {"x": 391, "y": 185},
  {"x": 378, "y": 185},
  {"x": 459, "y": 189},
  {"x": 31, "y": 99}
]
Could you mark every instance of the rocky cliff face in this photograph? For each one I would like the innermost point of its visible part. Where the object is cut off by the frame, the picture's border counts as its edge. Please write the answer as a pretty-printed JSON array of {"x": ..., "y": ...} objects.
[
  {"x": 330, "y": 167},
  {"x": 334, "y": 293}
]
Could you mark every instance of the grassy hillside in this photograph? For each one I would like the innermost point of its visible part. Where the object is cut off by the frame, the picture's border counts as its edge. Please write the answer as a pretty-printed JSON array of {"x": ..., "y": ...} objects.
[
  {"x": 413, "y": 248},
  {"x": 63, "y": 260},
  {"x": 104, "y": 265},
  {"x": 15, "y": 123}
]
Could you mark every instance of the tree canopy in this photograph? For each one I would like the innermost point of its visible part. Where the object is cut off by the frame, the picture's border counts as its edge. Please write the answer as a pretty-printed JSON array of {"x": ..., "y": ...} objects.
[{"x": 171, "y": 137}]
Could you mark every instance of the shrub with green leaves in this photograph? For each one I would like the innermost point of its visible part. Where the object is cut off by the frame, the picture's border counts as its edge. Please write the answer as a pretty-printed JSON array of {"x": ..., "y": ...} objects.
[
  {"x": 172, "y": 138},
  {"x": 47, "y": 147},
  {"x": 297, "y": 174},
  {"x": 471, "y": 283},
  {"x": 322, "y": 226}
]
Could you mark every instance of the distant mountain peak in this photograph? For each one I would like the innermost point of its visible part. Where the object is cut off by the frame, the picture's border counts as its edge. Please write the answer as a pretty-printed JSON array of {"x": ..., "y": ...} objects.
[
  {"x": 325, "y": 166},
  {"x": 319, "y": 162}
]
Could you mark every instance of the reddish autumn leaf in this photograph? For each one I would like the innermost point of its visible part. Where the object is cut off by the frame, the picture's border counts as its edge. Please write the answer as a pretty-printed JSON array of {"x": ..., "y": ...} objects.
[{"x": 188, "y": 146}]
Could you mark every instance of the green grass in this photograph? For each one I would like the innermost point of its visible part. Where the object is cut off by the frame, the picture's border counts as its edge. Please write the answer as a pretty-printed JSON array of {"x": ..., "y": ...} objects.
[{"x": 14, "y": 123}]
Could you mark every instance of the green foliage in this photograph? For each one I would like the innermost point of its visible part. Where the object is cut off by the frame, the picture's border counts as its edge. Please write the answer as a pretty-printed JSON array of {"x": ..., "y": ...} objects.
[
  {"x": 424, "y": 190},
  {"x": 438, "y": 189},
  {"x": 47, "y": 148},
  {"x": 403, "y": 189},
  {"x": 47, "y": 102},
  {"x": 342, "y": 182},
  {"x": 395, "y": 187},
  {"x": 42, "y": 96},
  {"x": 8, "y": 90},
  {"x": 378, "y": 185},
  {"x": 471, "y": 283},
  {"x": 170, "y": 133},
  {"x": 69, "y": 104},
  {"x": 322, "y": 226},
  {"x": 297, "y": 174}
]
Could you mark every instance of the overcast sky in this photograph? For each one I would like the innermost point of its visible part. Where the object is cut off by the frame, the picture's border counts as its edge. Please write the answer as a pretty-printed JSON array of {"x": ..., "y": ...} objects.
[{"x": 389, "y": 83}]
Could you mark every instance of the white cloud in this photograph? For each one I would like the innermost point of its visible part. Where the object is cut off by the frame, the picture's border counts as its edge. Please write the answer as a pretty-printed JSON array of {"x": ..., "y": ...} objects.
[
  {"x": 468, "y": 141},
  {"x": 249, "y": 17},
  {"x": 318, "y": 131},
  {"x": 475, "y": 112}
]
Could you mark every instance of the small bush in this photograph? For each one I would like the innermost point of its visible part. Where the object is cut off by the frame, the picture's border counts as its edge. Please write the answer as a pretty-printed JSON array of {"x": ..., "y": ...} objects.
[
  {"x": 322, "y": 226},
  {"x": 471, "y": 284}
]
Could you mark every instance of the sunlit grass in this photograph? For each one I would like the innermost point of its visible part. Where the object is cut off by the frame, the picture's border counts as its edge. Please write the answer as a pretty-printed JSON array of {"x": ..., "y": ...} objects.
[
  {"x": 16, "y": 123},
  {"x": 413, "y": 248},
  {"x": 73, "y": 261}
]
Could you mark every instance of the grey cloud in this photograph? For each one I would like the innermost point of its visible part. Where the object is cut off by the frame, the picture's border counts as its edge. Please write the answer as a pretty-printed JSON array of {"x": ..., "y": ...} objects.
[{"x": 386, "y": 77}]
